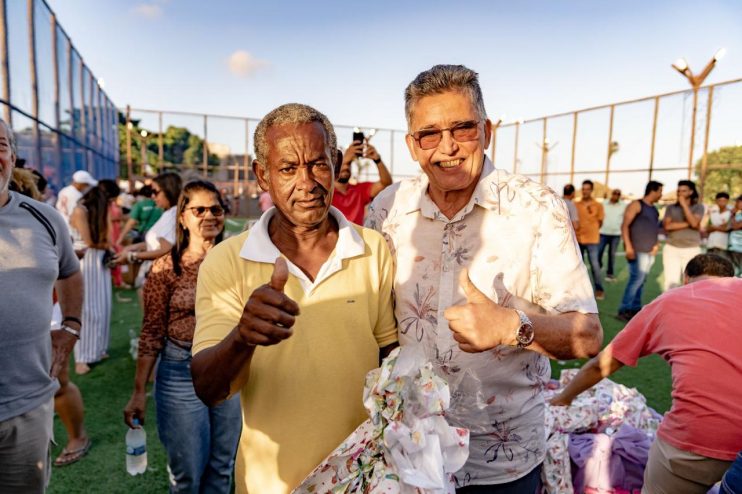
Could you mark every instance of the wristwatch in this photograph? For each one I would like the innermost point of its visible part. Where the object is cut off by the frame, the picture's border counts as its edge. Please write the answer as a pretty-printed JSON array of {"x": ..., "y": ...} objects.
[{"x": 524, "y": 334}]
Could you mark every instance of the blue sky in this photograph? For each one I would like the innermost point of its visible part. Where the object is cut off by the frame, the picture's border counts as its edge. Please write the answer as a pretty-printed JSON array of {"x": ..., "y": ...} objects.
[{"x": 353, "y": 60}]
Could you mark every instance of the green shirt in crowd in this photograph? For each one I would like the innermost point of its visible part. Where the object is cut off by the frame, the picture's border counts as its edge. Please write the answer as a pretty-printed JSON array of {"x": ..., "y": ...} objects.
[{"x": 146, "y": 213}]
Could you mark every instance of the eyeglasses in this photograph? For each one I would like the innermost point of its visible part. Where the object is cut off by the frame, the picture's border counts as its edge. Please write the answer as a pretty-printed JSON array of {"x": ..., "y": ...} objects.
[
  {"x": 200, "y": 211},
  {"x": 462, "y": 132},
  {"x": 155, "y": 191}
]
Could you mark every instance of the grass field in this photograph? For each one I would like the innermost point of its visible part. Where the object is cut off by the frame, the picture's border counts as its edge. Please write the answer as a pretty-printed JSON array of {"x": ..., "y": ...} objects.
[{"x": 107, "y": 389}]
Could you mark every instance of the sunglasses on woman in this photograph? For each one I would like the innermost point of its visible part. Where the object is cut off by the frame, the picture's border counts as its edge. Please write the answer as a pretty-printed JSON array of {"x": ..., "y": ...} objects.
[{"x": 200, "y": 211}]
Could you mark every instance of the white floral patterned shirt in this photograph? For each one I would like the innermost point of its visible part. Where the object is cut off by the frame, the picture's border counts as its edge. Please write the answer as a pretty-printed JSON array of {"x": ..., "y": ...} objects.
[{"x": 512, "y": 226}]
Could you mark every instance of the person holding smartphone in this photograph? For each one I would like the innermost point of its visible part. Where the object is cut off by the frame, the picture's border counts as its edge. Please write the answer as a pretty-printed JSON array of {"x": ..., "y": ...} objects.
[{"x": 352, "y": 198}]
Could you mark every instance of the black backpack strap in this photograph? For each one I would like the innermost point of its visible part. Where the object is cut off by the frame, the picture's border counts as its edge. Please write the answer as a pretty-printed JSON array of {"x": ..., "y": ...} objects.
[{"x": 41, "y": 219}]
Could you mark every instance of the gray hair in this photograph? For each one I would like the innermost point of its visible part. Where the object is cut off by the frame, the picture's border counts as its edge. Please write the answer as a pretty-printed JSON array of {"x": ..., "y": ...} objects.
[
  {"x": 11, "y": 136},
  {"x": 290, "y": 114},
  {"x": 440, "y": 79}
]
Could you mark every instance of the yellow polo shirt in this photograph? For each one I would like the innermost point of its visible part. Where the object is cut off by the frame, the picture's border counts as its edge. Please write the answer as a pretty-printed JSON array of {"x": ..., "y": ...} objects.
[{"x": 305, "y": 394}]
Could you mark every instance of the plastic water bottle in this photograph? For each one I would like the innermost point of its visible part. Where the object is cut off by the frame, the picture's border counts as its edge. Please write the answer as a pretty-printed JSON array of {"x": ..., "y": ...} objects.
[
  {"x": 133, "y": 343},
  {"x": 136, "y": 450}
]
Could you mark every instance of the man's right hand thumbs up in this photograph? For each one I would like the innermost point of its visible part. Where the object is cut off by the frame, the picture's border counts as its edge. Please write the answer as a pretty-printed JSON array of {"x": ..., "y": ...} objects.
[
  {"x": 269, "y": 314},
  {"x": 280, "y": 274}
]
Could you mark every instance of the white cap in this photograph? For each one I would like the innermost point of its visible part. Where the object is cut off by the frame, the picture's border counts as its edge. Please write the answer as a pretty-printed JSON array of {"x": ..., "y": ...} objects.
[{"x": 83, "y": 177}]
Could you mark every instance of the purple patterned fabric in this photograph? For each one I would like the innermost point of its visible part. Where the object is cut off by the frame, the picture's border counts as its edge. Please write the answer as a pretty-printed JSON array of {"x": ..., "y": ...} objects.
[{"x": 603, "y": 463}]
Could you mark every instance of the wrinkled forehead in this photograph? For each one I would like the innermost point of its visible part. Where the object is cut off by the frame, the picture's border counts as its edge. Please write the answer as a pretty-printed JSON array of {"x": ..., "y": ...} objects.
[{"x": 298, "y": 140}]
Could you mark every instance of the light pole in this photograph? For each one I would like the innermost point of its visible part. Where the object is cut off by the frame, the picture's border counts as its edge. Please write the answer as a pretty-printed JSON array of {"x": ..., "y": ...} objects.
[
  {"x": 493, "y": 148},
  {"x": 143, "y": 146},
  {"x": 695, "y": 81}
]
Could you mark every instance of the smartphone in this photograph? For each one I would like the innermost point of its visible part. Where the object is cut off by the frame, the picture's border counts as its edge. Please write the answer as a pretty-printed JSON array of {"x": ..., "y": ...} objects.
[{"x": 358, "y": 137}]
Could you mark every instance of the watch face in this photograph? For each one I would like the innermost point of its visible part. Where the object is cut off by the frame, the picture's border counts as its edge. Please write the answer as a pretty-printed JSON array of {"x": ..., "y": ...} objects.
[{"x": 525, "y": 335}]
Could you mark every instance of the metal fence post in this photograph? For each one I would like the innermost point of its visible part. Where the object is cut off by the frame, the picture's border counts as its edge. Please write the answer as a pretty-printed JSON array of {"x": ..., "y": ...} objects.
[
  {"x": 515, "y": 150},
  {"x": 57, "y": 110},
  {"x": 206, "y": 148},
  {"x": 692, "y": 132},
  {"x": 544, "y": 152},
  {"x": 610, "y": 146},
  {"x": 704, "y": 159},
  {"x": 129, "y": 162},
  {"x": 7, "y": 114},
  {"x": 160, "y": 143},
  {"x": 31, "y": 15},
  {"x": 574, "y": 146},
  {"x": 391, "y": 153},
  {"x": 654, "y": 135}
]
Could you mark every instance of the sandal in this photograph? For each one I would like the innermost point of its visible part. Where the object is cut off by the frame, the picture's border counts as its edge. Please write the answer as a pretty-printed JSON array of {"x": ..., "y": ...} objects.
[{"x": 67, "y": 457}]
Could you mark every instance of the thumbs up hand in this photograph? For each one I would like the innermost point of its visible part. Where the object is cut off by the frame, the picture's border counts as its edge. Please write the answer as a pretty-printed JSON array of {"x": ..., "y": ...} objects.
[
  {"x": 269, "y": 314},
  {"x": 480, "y": 324}
]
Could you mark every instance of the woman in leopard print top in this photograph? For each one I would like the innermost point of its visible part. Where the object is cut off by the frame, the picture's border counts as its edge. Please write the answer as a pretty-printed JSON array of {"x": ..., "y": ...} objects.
[{"x": 200, "y": 441}]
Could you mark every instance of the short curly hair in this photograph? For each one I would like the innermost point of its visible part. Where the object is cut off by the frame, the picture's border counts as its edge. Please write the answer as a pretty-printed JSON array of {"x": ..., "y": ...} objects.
[{"x": 290, "y": 113}]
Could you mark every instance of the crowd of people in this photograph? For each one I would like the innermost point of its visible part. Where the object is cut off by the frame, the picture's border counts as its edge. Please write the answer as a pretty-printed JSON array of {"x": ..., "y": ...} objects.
[{"x": 259, "y": 344}]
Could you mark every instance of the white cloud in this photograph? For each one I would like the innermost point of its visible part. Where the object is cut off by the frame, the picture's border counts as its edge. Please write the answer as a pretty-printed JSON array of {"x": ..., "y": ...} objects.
[
  {"x": 149, "y": 11},
  {"x": 242, "y": 64}
]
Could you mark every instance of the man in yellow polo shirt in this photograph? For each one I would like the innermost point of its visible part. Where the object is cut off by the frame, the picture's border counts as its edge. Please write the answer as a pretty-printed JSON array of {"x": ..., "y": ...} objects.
[{"x": 295, "y": 338}]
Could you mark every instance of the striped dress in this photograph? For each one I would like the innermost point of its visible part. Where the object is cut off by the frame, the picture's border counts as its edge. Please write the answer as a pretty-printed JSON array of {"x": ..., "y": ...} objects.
[{"x": 96, "y": 307}]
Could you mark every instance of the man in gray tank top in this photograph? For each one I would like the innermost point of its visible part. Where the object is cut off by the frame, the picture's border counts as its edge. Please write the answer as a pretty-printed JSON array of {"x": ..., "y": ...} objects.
[
  {"x": 682, "y": 222},
  {"x": 639, "y": 230}
]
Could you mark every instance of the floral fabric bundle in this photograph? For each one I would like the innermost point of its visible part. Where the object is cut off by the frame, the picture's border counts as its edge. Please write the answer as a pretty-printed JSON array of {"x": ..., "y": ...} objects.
[{"x": 406, "y": 446}]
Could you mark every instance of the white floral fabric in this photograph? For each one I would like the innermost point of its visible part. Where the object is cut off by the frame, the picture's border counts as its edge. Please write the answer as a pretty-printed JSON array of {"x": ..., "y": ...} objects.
[{"x": 512, "y": 227}]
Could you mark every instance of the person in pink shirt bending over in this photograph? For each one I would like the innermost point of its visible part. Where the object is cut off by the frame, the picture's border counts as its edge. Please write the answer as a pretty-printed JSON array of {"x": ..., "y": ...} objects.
[
  {"x": 352, "y": 199},
  {"x": 694, "y": 328}
]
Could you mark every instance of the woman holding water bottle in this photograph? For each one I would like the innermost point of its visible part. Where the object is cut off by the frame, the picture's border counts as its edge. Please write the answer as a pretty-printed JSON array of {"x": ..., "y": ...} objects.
[{"x": 200, "y": 441}]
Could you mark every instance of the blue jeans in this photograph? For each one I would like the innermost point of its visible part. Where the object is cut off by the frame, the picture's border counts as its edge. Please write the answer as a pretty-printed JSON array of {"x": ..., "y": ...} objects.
[
  {"x": 638, "y": 271},
  {"x": 732, "y": 481},
  {"x": 611, "y": 241},
  {"x": 200, "y": 442},
  {"x": 592, "y": 257}
]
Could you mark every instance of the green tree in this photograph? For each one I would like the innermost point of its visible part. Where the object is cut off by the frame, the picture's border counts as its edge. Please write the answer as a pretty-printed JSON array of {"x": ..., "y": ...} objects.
[
  {"x": 726, "y": 178},
  {"x": 179, "y": 147}
]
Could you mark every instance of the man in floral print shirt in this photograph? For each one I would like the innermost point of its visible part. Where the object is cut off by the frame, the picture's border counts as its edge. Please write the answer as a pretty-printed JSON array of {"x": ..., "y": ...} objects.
[{"x": 472, "y": 243}]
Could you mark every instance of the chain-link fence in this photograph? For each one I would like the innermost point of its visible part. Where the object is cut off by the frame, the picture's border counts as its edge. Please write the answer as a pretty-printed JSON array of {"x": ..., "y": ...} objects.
[
  {"x": 220, "y": 147},
  {"x": 62, "y": 118},
  {"x": 624, "y": 145}
]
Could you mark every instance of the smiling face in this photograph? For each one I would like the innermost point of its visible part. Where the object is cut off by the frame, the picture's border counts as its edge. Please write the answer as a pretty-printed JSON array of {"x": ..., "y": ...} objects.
[
  {"x": 451, "y": 167},
  {"x": 298, "y": 173},
  {"x": 7, "y": 162},
  {"x": 208, "y": 227}
]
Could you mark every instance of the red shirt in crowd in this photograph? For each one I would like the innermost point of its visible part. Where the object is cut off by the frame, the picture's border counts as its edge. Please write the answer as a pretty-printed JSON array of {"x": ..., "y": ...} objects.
[
  {"x": 696, "y": 329},
  {"x": 353, "y": 203}
]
